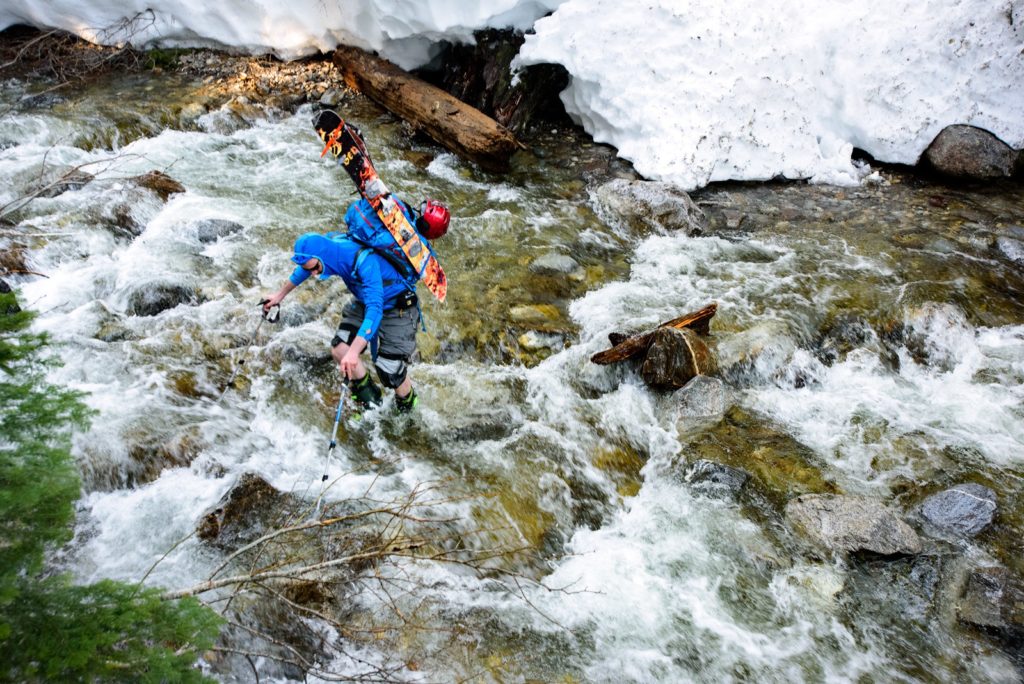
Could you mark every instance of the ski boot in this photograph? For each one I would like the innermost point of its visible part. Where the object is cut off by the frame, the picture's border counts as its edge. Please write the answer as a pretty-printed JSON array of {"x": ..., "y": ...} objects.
[
  {"x": 365, "y": 394},
  {"x": 407, "y": 403}
]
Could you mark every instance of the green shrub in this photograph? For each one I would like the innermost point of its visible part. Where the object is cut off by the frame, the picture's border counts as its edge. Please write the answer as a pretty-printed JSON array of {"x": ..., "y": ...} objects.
[{"x": 51, "y": 629}]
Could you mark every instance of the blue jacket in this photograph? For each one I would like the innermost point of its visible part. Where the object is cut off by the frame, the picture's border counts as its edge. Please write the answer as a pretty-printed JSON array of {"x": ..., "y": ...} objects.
[{"x": 372, "y": 280}]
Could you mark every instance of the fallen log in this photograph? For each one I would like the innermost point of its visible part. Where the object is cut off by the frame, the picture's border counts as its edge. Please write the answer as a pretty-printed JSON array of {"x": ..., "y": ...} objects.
[
  {"x": 628, "y": 347},
  {"x": 464, "y": 130}
]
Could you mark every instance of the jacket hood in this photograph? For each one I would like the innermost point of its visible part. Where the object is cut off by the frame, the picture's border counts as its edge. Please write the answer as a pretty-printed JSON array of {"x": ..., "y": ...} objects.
[{"x": 312, "y": 246}]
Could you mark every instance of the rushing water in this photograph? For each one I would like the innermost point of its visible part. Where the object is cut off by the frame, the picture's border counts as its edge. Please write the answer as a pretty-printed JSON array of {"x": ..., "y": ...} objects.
[{"x": 871, "y": 341}]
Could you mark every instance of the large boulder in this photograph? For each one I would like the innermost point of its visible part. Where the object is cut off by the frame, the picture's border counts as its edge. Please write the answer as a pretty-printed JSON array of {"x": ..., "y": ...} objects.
[
  {"x": 646, "y": 206},
  {"x": 969, "y": 152},
  {"x": 850, "y": 524},
  {"x": 963, "y": 510},
  {"x": 675, "y": 357}
]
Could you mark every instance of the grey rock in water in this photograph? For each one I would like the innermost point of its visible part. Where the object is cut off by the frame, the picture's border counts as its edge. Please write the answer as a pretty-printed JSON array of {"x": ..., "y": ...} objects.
[
  {"x": 1011, "y": 248},
  {"x": 851, "y": 524},
  {"x": 703, "y": 397},
  {"x": 716, "y": 479},
  {"x": 151, "y": 299},
  {"x": 211, "y": 230},
  {"x": 994, "y": 599},
  {"x": 969, "y": 152},
  {"x": 644, "y": 206},
  {"x": 964, "y": 510},
  {"x": 555, "y": 264},
  {"x": 675, "y": 357}
]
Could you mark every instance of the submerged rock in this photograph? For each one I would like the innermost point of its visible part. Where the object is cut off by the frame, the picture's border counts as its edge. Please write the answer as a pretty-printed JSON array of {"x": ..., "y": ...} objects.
[
  {"x": 781, "y": 466},
  {"x": 964, "y": 510},
  {"x": 554, "y": 264},
  {"x": 969, "y": 152},
  {"x": 993, "y": 599},
  {"x": 211, "y": 230},
  {"x": 675, "y": 357},
  {"x": 851, "y": 524},
  {"x": 152, "y": 299},
  {"x": 716, "y": 479},
  {"x": 643, "y": 206}
]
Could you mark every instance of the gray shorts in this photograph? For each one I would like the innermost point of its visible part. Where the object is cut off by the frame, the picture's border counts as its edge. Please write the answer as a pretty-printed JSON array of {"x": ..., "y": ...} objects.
[{"x": 396, "y": 337}]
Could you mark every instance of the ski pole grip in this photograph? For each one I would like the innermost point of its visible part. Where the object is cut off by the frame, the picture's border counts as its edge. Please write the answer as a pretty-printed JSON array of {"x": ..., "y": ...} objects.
[{"x": 267, "y": 315}]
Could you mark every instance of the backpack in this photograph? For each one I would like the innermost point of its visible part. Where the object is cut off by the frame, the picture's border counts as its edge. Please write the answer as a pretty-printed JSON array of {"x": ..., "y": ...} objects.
[{"x": 366, "y": 228}]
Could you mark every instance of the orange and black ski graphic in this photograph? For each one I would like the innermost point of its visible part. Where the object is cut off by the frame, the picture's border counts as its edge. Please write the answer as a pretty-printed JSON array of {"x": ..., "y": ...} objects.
[{"x": 345, "y": 144}]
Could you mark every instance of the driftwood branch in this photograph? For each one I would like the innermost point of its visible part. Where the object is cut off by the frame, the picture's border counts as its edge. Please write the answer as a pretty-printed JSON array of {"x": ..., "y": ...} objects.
[
  {"x": 628, "y": 347},
  {"x": 464, "y": 130}
]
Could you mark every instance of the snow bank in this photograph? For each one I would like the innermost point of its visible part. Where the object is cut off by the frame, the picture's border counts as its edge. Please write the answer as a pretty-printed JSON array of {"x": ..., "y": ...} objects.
[
  {"x": 706, "y": 91},
  {"x": 690, "y": 91},
  {"x": 405, "y": 31}
]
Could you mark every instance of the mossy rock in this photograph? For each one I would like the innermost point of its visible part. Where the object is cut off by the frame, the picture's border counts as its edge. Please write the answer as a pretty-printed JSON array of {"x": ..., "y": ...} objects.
[{"x": 781, "y": 467}]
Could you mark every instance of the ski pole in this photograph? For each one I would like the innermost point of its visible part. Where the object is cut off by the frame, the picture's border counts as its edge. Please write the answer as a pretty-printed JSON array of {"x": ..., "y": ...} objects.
[
  {"x": 264, "y": 316},
  {"x": 330, "y": 448}
]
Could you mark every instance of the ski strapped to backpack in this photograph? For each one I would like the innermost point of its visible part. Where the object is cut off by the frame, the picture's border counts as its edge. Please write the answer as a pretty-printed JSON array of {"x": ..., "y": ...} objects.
[{"x": 346, "y": 146}]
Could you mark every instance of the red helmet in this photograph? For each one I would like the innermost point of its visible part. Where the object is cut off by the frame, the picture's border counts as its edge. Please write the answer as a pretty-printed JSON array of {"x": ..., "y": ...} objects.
[{"x": 434, "y": 218}]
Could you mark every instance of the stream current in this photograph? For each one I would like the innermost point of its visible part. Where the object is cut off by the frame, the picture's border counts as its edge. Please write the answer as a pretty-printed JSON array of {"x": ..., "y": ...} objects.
[{"x": 871, "y": 341}]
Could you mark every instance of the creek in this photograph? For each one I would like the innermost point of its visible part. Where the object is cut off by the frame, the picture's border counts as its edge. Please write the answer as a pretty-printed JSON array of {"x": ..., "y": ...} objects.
[{"x": 871, "y": 341}]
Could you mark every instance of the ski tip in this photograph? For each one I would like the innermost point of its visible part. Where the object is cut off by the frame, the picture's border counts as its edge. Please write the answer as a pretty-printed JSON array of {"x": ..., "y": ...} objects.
[{"x": 326, "y": 120}]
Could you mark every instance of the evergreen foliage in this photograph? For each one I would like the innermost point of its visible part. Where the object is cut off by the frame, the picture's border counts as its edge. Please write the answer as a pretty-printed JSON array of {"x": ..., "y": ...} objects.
[{"x": 50, "y": 629}]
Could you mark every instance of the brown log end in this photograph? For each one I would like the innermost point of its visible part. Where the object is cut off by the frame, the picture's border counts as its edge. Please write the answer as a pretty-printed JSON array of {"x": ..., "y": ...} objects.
[{"x": 699, "y": 321}]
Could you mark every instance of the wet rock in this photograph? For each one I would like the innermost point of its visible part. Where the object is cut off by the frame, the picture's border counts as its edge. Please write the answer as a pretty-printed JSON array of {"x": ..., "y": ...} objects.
[
  {"x": 211, "y": 230},
  {"x": 645, "y": 206},
  {"x": 702, "y": 397},
  {"x": 716, "y": 479},
  {"x": 160, "y": 183},
  {"x": 993, "y": 599},
  {"x": 1011, "y": 248},
  {"x": 74, "y": 179},
  {"x": 675, "y": 357},
  {"x": 151, "y": 299},
  {"x": 331, "y": 98},
  {"x": 151, "y": 457},
  {"x": 192, "y": 111},
  {"x": 850, "y": 524},
  {"x": 12, "y": 307},
  {"x": 917, "y": 584},
  {"x": 969, "y": 152},
  {"x": 535, "y": 341},
  {"x": 246, "y": 512},
  {"x": 964, "y": 510},
  {"x": 844, "y": 334},
  {"x": 12, "y": 259},
  {"x": 534, "y": 313},
  {"x": 781, "y": 466},
  {"x": 554, "y": 264}
]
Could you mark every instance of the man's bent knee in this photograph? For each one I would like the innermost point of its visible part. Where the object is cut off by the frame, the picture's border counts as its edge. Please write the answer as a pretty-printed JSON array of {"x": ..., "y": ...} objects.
[{"x": 392, "y": 372}]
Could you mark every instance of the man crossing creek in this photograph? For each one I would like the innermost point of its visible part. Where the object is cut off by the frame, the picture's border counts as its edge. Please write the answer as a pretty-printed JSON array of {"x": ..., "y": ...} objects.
[{"x": 381, "y": 257}]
